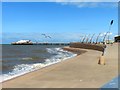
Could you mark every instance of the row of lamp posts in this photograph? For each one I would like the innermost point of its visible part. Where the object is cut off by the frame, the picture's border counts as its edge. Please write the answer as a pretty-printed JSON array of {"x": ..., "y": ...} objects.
[{"x": 107, "y": 34}]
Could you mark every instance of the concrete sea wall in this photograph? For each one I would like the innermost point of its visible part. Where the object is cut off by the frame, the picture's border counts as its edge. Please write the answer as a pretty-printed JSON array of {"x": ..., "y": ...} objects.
[{"x": 99, "y": 47}]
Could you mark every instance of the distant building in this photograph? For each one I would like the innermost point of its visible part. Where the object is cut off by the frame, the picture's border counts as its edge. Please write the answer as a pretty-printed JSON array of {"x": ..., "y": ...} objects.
[
  {"x": 109, "y": 41},
  {"x": 23, "y": 42},
  {"x": 117, "y": 39}
]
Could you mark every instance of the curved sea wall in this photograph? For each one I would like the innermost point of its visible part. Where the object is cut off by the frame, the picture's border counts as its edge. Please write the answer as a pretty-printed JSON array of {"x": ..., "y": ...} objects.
[{"x": 99, "y": 47}]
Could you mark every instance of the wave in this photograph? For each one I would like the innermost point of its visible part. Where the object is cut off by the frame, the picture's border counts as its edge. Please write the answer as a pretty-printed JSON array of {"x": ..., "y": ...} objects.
[{"x": 58, "y": 55}]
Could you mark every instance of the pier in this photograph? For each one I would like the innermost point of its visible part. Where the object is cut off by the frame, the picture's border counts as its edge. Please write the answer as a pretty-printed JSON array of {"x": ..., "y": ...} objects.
[
  {"x": 41, "y": 44},
  {"x": 51, "y": 43}
]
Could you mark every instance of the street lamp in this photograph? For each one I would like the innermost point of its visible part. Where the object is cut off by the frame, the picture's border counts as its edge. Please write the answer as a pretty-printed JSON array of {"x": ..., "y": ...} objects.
[{"x": 108, "y": 32}]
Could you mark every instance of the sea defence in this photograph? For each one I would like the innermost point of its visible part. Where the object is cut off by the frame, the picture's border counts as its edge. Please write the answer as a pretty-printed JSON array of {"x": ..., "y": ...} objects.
[{"x": 98, "y": 47}]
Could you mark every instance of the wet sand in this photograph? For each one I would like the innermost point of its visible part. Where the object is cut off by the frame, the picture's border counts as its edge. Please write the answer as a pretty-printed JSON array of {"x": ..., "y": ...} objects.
[{"x": 82, "y": 71}]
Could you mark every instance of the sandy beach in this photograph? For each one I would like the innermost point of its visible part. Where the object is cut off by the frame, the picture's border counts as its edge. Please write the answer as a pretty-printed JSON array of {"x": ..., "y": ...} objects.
[{"x": 82, "y": 71}]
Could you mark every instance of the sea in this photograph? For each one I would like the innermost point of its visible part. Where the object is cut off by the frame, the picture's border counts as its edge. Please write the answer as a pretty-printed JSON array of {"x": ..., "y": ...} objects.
[{"x": 21, "y": 59}]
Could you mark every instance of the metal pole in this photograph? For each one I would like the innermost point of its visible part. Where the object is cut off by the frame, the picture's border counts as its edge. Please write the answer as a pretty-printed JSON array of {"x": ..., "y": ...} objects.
[
  {"x": 87, "y": 38},
  {"x": 109, "y": 34},
  {"x": 98, "y": 37},
  {"x": 83, "y": 39},
  {"x": 109, "y": 30},
  {"x": 105, "y": 37},
  {"x": 92, "y": 38}
]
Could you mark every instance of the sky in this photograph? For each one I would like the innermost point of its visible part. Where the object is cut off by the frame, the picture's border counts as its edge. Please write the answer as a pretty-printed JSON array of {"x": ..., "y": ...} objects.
[{"x": 63, "y": 21}]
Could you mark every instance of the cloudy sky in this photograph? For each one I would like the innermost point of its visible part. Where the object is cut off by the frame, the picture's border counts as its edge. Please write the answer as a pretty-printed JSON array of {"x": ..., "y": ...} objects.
[{"x": 63, "y": 21}]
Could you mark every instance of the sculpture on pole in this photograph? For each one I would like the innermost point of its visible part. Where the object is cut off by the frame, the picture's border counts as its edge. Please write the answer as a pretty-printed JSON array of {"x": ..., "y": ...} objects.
[
  {"x": 83, "y": 39},
  {"x": 87, "y": 38},
  {"x": 92, "y": 38},
  {"x": 98, "y": 38}
]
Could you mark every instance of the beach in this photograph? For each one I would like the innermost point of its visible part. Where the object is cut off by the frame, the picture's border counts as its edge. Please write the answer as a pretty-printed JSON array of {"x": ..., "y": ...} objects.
[{"x": 81, "y": 71}]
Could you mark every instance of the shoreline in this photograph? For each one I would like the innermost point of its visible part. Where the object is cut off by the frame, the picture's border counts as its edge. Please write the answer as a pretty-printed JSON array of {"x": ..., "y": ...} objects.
[
  {"x": 69, "y": 73},
  {"x": 47, "y": 66}
]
